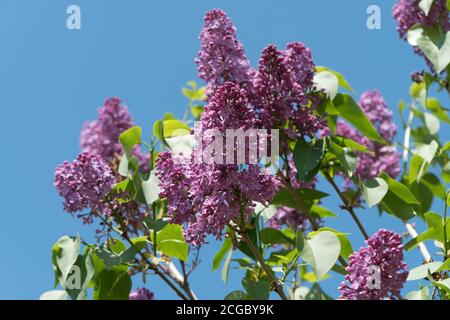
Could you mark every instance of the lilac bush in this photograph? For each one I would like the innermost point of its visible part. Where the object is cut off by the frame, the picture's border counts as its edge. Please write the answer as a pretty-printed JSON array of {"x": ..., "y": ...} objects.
[{"x": 156, "y": 201}]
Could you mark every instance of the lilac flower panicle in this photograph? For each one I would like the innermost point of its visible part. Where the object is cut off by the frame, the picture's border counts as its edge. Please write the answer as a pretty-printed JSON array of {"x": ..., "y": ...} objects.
[
  {"x": 102, "y": 136},
  {"x": 172, "y": 172},
  {"x": 84, "y": 183},
  {"x": 384, "y": 250},
  {"x": 282, "y": 85},
  {"x": 141, "y": 294},
  {"x": 222, "y": 57},
  {"x": 376, "y": 109},
  {"x": 207, "y": 196},
  {"x": 298, "y": 60}
]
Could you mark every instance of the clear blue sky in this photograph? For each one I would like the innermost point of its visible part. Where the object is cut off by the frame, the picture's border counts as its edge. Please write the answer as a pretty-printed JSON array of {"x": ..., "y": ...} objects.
[{"x": 52, "y": 79}]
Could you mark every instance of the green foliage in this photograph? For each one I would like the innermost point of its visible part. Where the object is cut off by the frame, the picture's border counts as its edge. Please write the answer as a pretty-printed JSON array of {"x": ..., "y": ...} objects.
[
  {"x": 171, "y": 242},
  {"x": 321, "y": 252},
  {"x": 307, "y": 158},
  {"x": 350, "y": 111},
  {"x": 112, "y": 285},
  {"x": 374, "y": 191}
]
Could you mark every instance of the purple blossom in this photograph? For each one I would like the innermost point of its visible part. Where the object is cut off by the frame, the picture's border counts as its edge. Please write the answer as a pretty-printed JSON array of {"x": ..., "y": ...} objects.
[
  {"x": 376, "y": 109},
  {"x": 84, "y": 183},
  {"x": 141, "y": 294},
  {"x": 101, "y": 137},
  {"x": 289, "y": 217},
  {"x": 282, "y": 84},
  {"x": 384, "y": 251},
  {"x": 172, "y": 171},
  {"x": 298, "y": 60},
  {"x": 222, "y": 57},
  {"x": 207, "y": 196}
]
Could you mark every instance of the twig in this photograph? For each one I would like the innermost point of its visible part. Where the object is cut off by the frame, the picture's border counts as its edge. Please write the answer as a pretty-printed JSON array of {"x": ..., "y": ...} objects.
[
  {"x": 347, "y": 207},
  {"x": 150, "y": 264},
  {"x": 422, "y": 247},
  {"x": 266, "y": 269}
]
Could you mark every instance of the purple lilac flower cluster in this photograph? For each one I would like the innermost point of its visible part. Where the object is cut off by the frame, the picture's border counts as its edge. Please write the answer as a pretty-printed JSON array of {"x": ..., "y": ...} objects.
[
  {"x": 207, "y": 196},
  {"x": 84, "y": 183},
  {"x": 382, "y": 157},
  {"x": 141, "y": 294},
  {"x": 384, "y": 253},
  {"x": 101, "y": 137},
  {"x": 222, "y": 57},
  {"x": 279, "y": 90}
]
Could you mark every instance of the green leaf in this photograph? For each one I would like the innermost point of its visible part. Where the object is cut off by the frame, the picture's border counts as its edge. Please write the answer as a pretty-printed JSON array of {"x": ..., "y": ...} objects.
[
  {"x": 422, "y": 294},
  {"x": 226, "y": 267},
  {"x": 193, "y": 93},
  {"x": 350, "y": 111},
  {"x": 158, "y": 129},
  {"x": 299, "y": 240},
  {"x": 432, "y": 123},
  {"x": 349, "y": 143},
  {"x": 266, "y": 212},
  {"x": 327, "y": 82},
  {"x": 67, "y": 254},
  {"x": 434, "y": 105},
  {"x": 174, "y": 128},
  {"x": 427, "y": 151},
  {"x": 321, "y": 212},
  {"x": 433, "y": 184},
  {"x": 54, "y": 295},
  {"x": 155, "y": 225},
  {"x": 257, "y": 290},
  {"x": 399, "y": 189},
  {"x": 316, "y": 293},
  {"x": 417, "y": 167},
  {"x": 304, "y": 196},
  {"x": 197, "y": 111},
  {"x": 237, "y": 295},
  {"x": 392, "y": 204},
  {"x": 346, "y": 157},
  {"x": 342, "y": 82},
  {"x": 436, "y": 50},
  {"x": 112, "y": 259},
  {"x": 271, "y": 236},
  {"x": 78, "y": 281},
  {"x": 307, "y": 158},
  {"x": 220, "y": 255},
  {"x": 423, "y": 271},
  {"x": 129, "y": 138},
  {"x": 321, "y": 252},
  {"x": 150, "y": 188},
  {"x": 171, "y": 242},
  {"x": 425, "y": 5},
  {"x": 112, "y": 285},
  {"x": 374, "y": 191},
  {"x": 346, "y": 245}
]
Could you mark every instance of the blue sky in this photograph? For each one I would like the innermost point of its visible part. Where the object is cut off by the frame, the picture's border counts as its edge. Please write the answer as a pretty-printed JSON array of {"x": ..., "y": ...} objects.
[{"x": 53, "y": 79}]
